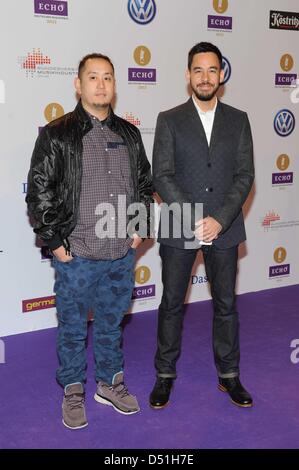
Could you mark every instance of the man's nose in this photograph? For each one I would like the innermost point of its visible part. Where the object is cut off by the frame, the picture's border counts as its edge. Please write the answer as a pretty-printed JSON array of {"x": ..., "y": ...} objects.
[{"x": 205, "y": 76}]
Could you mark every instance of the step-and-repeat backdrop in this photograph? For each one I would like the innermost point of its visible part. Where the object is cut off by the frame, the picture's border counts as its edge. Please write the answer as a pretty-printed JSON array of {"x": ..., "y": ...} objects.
[{"x": 42, "y": 42}]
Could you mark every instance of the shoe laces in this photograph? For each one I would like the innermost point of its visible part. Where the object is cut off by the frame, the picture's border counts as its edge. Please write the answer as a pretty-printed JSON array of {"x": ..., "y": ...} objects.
[
  {"x": 120, "y": 389},
  {"x": 75, "y": 401},
  {"x": 165, "y": 383}
]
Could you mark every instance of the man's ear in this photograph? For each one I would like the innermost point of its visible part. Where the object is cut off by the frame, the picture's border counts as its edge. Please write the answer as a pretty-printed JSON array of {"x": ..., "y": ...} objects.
[
  {"x": 187, "y": 75},
  {"x": 77, "y": 83},
  {"x": 221, "y": 76}
]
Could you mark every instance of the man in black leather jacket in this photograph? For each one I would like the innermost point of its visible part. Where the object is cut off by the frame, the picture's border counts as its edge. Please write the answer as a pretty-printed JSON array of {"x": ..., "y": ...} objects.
[{"x": 86, "y": 164}]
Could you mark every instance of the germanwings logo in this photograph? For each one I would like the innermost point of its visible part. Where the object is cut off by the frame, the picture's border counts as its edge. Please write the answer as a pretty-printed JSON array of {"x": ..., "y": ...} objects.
[{"x": 142, "y": 11}]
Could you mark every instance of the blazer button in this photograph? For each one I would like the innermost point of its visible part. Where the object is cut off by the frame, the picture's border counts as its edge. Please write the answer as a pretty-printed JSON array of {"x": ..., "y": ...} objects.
[
  {"x": 211, "y": 190},
  {"x": 209, "y": 165}
]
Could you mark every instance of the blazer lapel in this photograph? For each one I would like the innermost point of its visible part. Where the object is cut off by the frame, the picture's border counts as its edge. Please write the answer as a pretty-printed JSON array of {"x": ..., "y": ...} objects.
[
  {"x": 195, "y": 123},
  {"x": 218, "y": 130}
]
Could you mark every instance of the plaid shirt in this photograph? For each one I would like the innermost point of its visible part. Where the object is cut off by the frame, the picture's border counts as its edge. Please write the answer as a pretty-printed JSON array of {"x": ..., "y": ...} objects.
[{"x": 106, "y": 175}]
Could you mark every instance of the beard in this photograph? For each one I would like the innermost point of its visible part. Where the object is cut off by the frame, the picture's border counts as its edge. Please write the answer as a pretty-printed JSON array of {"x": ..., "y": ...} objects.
[
  {"x": 100, "y": 105},
  {"x": 205, "y": 96}
]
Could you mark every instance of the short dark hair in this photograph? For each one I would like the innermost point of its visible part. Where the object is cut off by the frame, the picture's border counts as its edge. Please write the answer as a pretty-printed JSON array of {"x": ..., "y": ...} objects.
[
  {"x": 93, "y": 55},
  {"x": 203, "y": 47}
]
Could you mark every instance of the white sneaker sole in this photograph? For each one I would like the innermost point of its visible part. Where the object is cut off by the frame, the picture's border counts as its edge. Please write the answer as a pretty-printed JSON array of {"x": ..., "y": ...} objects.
[
  {"x": 77, "y": 427},
  {"x": 104, "y": 401}
]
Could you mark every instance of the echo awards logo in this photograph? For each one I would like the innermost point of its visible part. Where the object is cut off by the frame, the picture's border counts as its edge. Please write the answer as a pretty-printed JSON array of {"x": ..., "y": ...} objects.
[
  {"x": 280, "y": 269},
  {"x": 220, "y": 23},
  {"x": 51, "y": 9},
  {"x": 51, "y": 112},
  {"x": 142, "y": 74},
  {"x": 142, "y": 277},
  {"x": 283, "y": 177},
  {"x": 286, "y": 80}
]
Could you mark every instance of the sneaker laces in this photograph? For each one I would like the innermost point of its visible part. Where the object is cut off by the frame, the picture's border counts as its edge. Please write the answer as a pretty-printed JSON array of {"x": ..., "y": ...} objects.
[
  {"x": 75, "y": 401},
  {"x": 122, "y": 392}
]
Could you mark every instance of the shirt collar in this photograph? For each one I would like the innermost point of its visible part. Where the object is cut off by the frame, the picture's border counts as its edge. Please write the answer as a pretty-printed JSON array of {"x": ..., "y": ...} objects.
[{"x": 204, "y": 113}]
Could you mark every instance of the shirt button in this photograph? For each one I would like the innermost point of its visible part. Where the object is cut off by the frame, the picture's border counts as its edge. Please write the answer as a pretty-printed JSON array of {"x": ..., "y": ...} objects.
[
  {"x": 111, "y": 195},
  {"x": 106, "y": 150},
  {"x": 112, "y": 218},
  {"x": 109, "y": 172}
]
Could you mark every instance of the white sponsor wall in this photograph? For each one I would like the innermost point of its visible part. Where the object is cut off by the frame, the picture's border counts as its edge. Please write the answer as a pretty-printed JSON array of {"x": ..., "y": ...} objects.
[{"x": 41, "y": 45}]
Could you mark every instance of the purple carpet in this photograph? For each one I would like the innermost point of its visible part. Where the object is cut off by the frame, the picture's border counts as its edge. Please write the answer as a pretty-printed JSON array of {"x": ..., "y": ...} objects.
[{"x": 198, "y": 416}]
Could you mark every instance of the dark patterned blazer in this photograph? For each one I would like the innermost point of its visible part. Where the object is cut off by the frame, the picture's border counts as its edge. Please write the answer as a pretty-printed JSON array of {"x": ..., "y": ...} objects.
[{"x": 187, "y": 169}]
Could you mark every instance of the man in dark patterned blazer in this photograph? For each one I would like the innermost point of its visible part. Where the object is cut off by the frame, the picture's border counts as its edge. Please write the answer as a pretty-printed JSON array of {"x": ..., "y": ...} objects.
[{"x": 202, "y": 154}]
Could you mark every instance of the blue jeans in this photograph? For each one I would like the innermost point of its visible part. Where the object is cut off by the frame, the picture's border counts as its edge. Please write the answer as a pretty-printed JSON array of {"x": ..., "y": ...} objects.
[{"x": 106, "y": 287}]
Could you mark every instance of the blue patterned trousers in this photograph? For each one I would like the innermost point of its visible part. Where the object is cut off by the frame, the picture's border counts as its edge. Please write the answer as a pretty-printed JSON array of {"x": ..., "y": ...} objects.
[{"x": 106, "y": 287}]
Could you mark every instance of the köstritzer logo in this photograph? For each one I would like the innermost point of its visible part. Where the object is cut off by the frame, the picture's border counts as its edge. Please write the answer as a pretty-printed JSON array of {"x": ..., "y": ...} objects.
[
  {"x": 227, "y": 69},
  {"x": 279, "y": 256},
  {"x": 284, "y": 122},
  {"x": 142, "y": 11},
  {"x": 284, "y": 20}
]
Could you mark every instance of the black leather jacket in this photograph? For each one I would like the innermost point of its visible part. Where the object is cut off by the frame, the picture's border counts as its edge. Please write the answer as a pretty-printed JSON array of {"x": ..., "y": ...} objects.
[{"x": 54, "y": 179}]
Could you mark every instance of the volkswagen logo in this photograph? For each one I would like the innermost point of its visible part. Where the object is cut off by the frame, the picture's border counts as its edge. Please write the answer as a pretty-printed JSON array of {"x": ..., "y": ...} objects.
[
  {"x": 227, "y": 70},
  {"x": 142, "y": 11},
  {"x": 284, "y": 122}
]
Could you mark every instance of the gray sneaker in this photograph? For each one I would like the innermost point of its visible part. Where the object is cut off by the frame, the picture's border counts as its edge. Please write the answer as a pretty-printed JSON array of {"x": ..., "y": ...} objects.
[
  {"x": 117, "y": 395},
  {"x": 73, "y": 409}
]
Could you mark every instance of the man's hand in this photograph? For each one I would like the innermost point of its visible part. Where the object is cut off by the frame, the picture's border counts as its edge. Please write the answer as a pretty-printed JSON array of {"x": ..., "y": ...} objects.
[
  {"x": 136, "y": 241},
  {"x": 207, "y": 229},
  {"x": 61, "y": 255}
]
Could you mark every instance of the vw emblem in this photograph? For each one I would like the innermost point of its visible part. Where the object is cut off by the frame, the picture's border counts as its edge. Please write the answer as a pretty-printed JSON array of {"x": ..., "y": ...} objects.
[
  {"x": 142, "y": 11},
  {"x": 284, "y": 122},
  {"x": 227, "y": 70}
]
